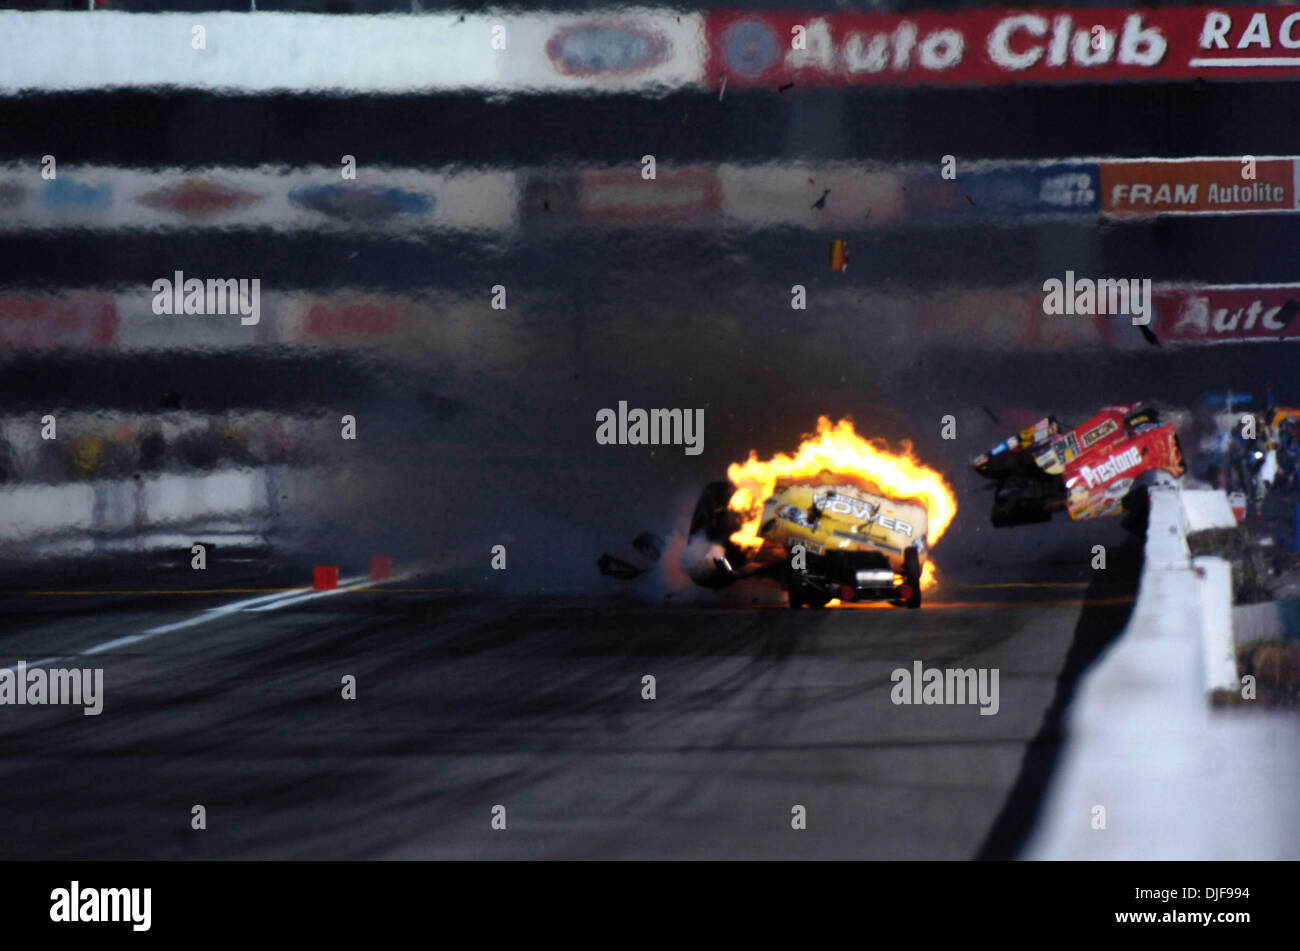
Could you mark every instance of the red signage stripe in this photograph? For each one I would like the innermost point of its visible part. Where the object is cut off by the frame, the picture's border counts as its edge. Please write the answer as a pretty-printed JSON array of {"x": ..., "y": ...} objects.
[{"x": 996, "y": 47}]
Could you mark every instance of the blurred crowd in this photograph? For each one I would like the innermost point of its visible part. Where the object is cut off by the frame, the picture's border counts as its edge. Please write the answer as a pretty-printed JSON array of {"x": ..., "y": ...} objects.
[
  {"x": 119, "y": 446},
  {"x": 1254, "y": 452}
]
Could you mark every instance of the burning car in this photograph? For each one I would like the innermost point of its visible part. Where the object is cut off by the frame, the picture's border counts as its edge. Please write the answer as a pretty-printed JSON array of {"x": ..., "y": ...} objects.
[
  {"x": 843, "y": 519},
  {"x": 1099, "y": 468}
]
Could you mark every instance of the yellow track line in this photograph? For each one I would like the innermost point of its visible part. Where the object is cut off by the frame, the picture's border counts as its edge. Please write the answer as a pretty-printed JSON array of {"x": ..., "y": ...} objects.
[{"x": 942, "y": 605}]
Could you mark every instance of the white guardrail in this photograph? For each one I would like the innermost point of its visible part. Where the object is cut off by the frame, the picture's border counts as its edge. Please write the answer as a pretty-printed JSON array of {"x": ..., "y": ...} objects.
[
  {"x": 1149, "y": 769},
  {"x": 67, "y": 517}
]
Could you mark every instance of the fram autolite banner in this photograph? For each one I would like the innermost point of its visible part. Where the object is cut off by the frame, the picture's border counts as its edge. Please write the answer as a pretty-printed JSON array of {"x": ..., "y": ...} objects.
[
  {"x": 1227, "y": 314},
  {"x": 1197, "y": 186},
  {"x": 996, "y": 47}
]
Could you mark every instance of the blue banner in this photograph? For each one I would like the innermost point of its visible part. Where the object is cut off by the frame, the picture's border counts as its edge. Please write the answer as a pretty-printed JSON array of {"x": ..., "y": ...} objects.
[{"x": 1009, "y": 192}]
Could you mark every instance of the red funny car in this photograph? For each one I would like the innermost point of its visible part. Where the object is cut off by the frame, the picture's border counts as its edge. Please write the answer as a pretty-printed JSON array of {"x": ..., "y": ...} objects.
[{"x": 1094, "y": 469}]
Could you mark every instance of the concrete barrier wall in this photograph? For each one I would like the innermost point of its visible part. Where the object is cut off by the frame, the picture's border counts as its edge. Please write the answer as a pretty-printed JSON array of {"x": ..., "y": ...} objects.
[
  {"x": 1149, "y": 770},
  {"x": 122, "y": 505}
]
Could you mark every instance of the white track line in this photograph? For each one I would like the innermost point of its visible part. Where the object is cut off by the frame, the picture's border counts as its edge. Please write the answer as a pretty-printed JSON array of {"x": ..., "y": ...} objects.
[
  {"x": 265, "y": 602},
  {"x": 291, "y": 597}
]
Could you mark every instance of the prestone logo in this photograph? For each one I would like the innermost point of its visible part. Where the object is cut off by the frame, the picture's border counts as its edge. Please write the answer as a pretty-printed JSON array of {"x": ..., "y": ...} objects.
[
  {"x": 57, "y": 687},
  {"x": 1104, "y": 472},
  {"x": 218, "y": 296},
  {"x": 953, "y": 685},
  {"x": 1104, "y": 297},
  {"x": 76, "y": 904},
  {"x": 656, "y": 427}
]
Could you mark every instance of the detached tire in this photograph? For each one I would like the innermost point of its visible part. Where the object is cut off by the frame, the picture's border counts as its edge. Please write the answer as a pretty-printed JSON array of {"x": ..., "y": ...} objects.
[
  {"x": 800, "y": 594},
  {"x": 794, "y": 591},
  {"x": 712, "y": 517},
  {"x": 912, "y": 572}
]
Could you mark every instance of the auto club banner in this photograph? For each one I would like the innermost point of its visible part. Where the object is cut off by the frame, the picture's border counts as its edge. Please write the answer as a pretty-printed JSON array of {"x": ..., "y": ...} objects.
[
  {"x": 1228, "y": 314},
  {"x": 999, "y": 47}
]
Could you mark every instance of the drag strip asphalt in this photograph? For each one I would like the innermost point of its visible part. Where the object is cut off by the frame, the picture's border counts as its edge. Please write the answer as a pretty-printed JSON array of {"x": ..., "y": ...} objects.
[{"x": 464, "y": 702}]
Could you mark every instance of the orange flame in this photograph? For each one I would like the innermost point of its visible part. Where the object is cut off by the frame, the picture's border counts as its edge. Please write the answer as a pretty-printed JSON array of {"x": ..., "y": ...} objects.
[{"x": 840, "y": 449}]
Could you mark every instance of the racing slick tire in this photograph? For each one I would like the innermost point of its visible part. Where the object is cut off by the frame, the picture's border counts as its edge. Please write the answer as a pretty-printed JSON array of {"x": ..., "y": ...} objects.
[
  {"x": 912, "y": 572},
  {"x": 801, "y": 594},
  {"x": 1135, "y": 508},
  {"x": 1022, "y": 499},
  {"x": 712, "y": 516},
  {"x": 714, "y": 523},
  {"x": 794, "y": 592}
]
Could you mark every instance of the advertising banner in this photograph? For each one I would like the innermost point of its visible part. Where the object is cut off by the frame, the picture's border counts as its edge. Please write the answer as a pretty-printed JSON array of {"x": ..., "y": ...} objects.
[
  {"x": 1197, "y": 186},
  {"x": 323, "y": 53},
  {"x": 1004, "y": 191},
  {"x": 372, "y": 200},
  {"x": 811, "y": 195},
  {"x": 76, "y": 320},
  {"x": 1002, "y": 47},
  {"x": 623, "y": 50},
  {"x": 1228, "y": 314}
]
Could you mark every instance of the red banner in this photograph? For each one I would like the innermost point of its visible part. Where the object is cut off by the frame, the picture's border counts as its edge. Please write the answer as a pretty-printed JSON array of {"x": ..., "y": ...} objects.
[
  {"x": 984, "y": 47},
  {"x": 1227, "y": 314},
  {"x": 1152, "y": 186},
  {"x": 623, "y": 196},
  {"x": 325, "y": 319},
  {"x": 38, "y": 321}
]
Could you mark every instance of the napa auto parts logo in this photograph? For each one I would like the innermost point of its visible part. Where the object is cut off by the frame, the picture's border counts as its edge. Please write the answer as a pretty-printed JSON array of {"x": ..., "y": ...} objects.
[
  {"x": 607, "y": 48},
  {"x": 982, "y": 47}
]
